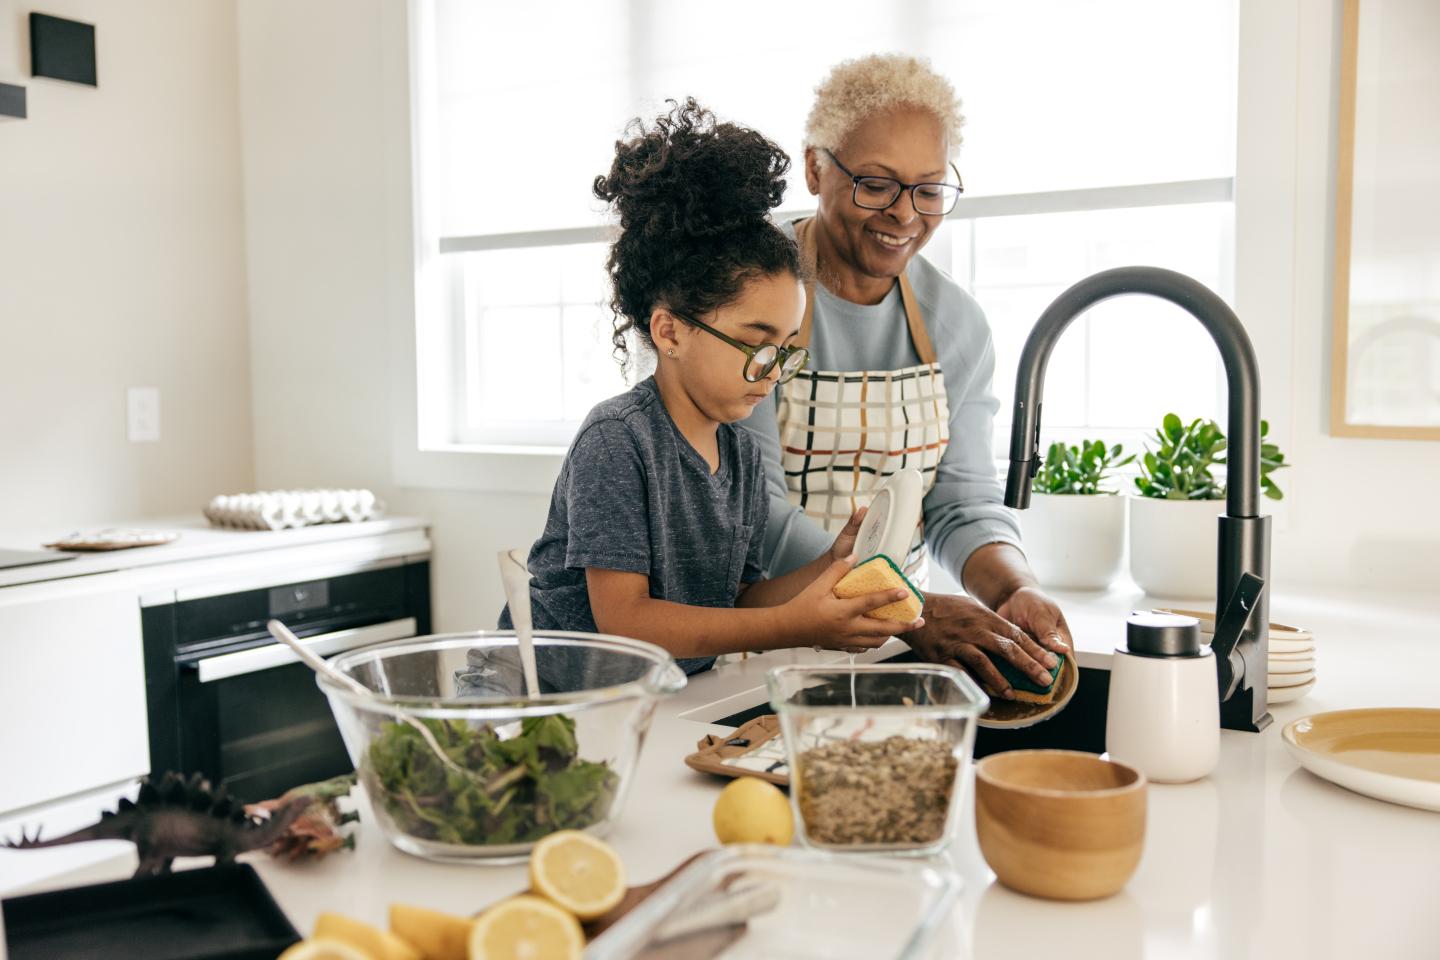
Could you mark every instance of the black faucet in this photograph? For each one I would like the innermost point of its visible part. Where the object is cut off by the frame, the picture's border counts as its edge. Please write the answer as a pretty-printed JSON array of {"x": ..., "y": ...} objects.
[{"x": 1244, "y": 545}]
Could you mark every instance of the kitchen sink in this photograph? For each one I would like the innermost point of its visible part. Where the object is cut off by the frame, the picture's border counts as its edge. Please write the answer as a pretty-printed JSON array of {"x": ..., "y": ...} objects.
[{"x": 1080, "y": 726}]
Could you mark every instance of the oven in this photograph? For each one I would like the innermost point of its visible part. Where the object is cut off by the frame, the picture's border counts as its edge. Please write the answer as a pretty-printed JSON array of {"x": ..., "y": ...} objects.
[{"x": 226, "y": 700}]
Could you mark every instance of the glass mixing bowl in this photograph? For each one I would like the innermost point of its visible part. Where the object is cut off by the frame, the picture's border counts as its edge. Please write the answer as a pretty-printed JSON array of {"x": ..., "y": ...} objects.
[{"x": 515, "y": 768}]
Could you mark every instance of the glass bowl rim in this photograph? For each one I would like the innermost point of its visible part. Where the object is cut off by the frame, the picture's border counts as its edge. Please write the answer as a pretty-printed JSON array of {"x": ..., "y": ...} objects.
[
  {"x": 664, "y": 677},
  {"x": 979, "y": 701}
]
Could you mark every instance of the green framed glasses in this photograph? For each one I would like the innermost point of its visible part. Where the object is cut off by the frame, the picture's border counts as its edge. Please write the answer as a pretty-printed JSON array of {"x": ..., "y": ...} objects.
[{"x": 759, "y": 361}]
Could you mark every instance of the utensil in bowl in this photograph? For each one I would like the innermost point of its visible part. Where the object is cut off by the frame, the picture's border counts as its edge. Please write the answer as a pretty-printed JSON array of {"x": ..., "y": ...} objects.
[
  {"x": 1060, "y": 824},
  {"x": 876, "y": 753},
  {"x": 561, "y": 760}
]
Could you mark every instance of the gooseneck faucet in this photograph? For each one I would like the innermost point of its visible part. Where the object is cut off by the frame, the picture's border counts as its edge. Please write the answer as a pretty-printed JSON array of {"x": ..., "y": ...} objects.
[{"x": 1241, "y": 608}]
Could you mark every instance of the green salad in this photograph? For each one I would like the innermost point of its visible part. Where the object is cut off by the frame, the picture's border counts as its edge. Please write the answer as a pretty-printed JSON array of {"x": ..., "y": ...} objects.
[{"x": 517, "y": 790}]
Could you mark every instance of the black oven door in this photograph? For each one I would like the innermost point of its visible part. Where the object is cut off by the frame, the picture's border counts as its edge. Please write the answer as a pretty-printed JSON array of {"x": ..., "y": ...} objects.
[
  {"x": 227, "y": 701},
  {"x": 256, "y": 721}
]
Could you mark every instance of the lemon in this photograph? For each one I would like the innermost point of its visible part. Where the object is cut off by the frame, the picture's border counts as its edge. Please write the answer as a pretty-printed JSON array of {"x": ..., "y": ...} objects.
[
  {"x": 578, "y": 872},
  {"x": 751, "y": 810},
  {"x": 436, "y": 935},
  {"x": 526, "y": 928},
  {"x": 372, "y": 942},
  {"x": 322, "y": 948}
]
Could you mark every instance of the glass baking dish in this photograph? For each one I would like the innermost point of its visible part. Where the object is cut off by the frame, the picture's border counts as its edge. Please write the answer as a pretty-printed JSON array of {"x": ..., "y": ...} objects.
[{"x": 763, "y": 902}]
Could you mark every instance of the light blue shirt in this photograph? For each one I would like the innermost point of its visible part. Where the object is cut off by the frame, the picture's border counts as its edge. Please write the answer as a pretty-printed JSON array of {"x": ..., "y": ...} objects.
[{"x": 965, "y": 509}]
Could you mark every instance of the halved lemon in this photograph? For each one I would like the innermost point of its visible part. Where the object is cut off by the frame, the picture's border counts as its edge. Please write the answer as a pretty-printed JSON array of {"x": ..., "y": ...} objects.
[
  {"x": 526, "y": 928},
  {"x": 323, "y": 948},
  {"x": 579, "y": 872}
]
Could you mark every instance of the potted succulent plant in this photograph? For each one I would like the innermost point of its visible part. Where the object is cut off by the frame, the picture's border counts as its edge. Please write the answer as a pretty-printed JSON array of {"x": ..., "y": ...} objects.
[
  {"x": 1172, "y": 522},
  {"x": 1075, "y": 528}
]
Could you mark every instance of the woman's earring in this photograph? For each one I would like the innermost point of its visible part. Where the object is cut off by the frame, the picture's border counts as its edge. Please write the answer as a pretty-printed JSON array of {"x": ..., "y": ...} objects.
[{"x": 670, "y": 353}]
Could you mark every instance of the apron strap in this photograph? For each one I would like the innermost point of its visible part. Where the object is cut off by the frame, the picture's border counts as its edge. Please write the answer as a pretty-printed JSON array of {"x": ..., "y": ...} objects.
[{"x": 805, "y": 235}]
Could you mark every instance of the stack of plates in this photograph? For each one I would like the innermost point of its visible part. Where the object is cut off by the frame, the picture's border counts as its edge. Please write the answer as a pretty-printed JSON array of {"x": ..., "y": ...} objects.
[{"x": 1292, "y": 657}]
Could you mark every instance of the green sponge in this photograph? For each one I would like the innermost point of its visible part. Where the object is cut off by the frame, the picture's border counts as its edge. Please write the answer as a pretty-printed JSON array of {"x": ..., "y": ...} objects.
[{"x": 1025, "y": 688}]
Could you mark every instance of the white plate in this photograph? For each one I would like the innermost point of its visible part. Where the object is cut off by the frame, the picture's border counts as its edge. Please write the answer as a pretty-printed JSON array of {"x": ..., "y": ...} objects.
[
  {"x": 1291, "y": 679},
  {"x": 893, "y": 514},
  {"x": 1291, "y": 666},
  {"x": 1391, "y": 754},
  {"x": 1302, "y": 655},
  {"x": 1288, "y": 694}
]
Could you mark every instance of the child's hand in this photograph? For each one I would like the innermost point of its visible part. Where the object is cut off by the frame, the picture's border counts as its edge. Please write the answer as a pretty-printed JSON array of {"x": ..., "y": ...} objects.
[
  {"x": 844, "y": 544},
  {"x": 816, "y": 617}
]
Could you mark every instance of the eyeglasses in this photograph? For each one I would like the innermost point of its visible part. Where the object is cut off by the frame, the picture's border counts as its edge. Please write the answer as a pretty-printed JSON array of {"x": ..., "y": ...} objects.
[
  {"x": 880, "y": 193},
  {"x": 762, "y": 359}
]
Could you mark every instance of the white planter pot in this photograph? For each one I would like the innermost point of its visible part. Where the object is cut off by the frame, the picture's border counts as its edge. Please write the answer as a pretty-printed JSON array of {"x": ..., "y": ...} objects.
[
  {"x": 1074, "y": 542},
  {"x": 1173, "y": 546}
]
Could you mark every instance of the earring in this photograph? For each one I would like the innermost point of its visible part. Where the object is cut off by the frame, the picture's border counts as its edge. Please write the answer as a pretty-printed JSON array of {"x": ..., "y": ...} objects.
[{"x": 670, "y": 353}]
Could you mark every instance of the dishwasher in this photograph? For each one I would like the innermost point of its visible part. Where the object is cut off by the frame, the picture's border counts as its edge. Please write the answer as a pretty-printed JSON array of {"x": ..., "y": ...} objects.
[{"x": 228, "y": 701}]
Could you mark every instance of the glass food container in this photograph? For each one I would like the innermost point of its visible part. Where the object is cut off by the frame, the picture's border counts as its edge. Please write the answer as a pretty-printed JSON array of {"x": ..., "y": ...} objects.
[
  {"x": 767, "y": 903},
  {"x": 877, "y": 753},
  {"x": 519, "y": 768}
]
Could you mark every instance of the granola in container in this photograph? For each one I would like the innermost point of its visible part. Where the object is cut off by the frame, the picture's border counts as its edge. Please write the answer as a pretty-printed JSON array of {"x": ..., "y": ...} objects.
[
  {"x": 895, "y": 791},
  {"x": 877, "y": 769}
]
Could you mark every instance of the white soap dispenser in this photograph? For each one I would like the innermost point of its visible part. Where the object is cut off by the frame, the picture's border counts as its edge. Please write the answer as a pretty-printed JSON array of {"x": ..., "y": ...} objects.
[{"x": 1163, "y": 715}]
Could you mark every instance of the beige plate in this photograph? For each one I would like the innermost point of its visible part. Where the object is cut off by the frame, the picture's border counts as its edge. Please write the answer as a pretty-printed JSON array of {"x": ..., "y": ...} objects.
[
  {"x": 1278, "y": 631},
  {"x": 1291, "y": 666},
  {"x": 1388, "y": 753},
  {"x": 1020, "y": 713},
  {"x": 1287, "y": 694},
  {"x": 1290, "y": 679}
]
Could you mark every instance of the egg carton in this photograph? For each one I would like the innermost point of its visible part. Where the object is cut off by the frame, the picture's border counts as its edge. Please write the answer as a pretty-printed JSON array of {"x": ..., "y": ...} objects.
[{"x": 289, "y": 509}]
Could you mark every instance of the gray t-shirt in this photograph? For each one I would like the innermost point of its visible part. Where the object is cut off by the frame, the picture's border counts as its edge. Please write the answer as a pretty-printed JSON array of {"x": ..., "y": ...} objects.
[
  {"x": 965, "y": 509},
  {"x": 634, "y": 495}
]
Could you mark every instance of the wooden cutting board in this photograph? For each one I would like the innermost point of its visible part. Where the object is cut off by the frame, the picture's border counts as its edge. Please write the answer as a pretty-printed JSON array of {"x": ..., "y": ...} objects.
[{"x": 634, "y": 896}]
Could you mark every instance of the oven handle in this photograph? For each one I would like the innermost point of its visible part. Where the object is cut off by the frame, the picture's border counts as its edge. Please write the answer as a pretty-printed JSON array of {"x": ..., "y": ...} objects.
[{"x": 278, "y": 655}]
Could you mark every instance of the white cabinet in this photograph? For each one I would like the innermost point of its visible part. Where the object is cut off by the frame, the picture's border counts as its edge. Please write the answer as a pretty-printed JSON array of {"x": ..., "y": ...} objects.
[{"x": 72, "y": 688}]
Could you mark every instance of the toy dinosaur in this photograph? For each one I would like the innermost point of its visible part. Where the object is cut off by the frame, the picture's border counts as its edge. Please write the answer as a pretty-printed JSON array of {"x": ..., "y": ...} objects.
[
  {"x": 317, "y": 831},
  {"x": 179, "y": 816}
]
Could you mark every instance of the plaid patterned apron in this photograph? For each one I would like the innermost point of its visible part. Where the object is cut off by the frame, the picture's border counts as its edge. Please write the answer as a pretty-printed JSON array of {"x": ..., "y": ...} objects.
[{"x": 843, "y": 433}]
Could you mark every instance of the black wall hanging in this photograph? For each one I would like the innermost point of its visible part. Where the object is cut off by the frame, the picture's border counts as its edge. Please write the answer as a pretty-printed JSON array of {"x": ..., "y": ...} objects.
[
  {"x": 12, "y": 101},
  {"x": 62, "y": 49}
]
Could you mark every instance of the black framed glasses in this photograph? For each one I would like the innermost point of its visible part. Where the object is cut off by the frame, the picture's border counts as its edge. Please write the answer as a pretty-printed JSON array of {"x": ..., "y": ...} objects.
[
  {"x": 880, "y": 193},
  {"x": 759, "y": 361}
]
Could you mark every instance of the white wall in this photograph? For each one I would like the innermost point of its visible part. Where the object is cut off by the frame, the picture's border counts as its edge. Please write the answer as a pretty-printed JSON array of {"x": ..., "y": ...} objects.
[
  {"x": 1356, "y": 511},
  {"x": 328, "y": 190},
  {"x": 327, "y": 203},
  {"x": 121, "y": 264}
]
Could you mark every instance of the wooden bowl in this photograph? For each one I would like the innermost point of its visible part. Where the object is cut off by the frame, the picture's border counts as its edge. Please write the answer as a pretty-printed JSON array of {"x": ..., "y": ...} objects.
[{"x": 1060, "y": 824}]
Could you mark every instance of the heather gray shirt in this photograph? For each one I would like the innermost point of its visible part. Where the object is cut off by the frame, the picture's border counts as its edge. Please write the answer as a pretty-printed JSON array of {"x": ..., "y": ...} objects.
[
  {"x": 634, "y": 495},
  {"x": 965, "y": 509}
]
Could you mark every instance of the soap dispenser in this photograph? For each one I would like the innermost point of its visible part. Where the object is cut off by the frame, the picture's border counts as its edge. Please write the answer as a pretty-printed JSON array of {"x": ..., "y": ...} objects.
[{"x": 1163, "y": 714}]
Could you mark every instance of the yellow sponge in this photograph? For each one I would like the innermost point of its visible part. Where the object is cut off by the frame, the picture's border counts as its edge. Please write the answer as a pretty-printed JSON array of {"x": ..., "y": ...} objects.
[{"x": 876, "y": 574}]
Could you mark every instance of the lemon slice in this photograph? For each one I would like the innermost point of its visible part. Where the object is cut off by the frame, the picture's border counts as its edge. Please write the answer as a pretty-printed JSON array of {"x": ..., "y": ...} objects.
[
  {"x": 580, "y": 873},
  {"x": 526, "y": 928},
  {"x": 323, "y": 948}
]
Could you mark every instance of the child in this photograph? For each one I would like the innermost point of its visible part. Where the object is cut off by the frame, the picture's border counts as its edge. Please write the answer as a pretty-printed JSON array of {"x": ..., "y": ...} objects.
[{"x": 656, "y": 520}]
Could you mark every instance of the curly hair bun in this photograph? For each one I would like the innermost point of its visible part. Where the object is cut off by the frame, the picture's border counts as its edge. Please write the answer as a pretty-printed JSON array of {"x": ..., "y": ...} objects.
[
  {"x": 691, "y": 174},
  {"x": 693, "y": 196}
]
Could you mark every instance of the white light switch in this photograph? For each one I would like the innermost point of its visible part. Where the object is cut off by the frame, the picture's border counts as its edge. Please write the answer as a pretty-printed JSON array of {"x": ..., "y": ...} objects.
[{"x": 142, "y": 409}]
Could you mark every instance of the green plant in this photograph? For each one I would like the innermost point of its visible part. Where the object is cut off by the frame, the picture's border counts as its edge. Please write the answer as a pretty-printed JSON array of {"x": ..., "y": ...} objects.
[
  {"x": 1180, "y": 468},
  {"x": 1078, "y": 469}
]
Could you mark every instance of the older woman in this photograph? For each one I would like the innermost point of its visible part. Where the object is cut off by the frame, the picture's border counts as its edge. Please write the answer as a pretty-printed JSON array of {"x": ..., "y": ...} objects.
[{"x": 901, "y": 364}]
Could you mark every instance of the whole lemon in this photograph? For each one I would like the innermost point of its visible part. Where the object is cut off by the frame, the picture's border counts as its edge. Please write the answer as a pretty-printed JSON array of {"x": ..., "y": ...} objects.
[{"x": 750, "y": 810}]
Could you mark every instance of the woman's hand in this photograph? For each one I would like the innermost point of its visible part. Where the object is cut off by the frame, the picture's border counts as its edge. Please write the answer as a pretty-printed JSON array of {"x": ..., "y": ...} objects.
[
  {"x": 960, "y": 630},
  {"x": 816, "y": 617},
  {"x": 844, "y": 544}
]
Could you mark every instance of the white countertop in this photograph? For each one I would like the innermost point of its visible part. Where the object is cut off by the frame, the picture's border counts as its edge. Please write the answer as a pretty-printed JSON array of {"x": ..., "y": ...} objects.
[
  {"x": 1260, "y": 859},
  {"x": 198, "y": 541}
]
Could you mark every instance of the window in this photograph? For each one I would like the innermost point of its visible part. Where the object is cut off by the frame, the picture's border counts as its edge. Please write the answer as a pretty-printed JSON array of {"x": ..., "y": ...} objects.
[{"x": 1098, "y": 134}]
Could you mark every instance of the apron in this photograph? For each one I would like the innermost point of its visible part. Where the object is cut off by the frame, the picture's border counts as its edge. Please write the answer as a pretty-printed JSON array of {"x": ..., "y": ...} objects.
[{"x": 844, "y": 433}]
